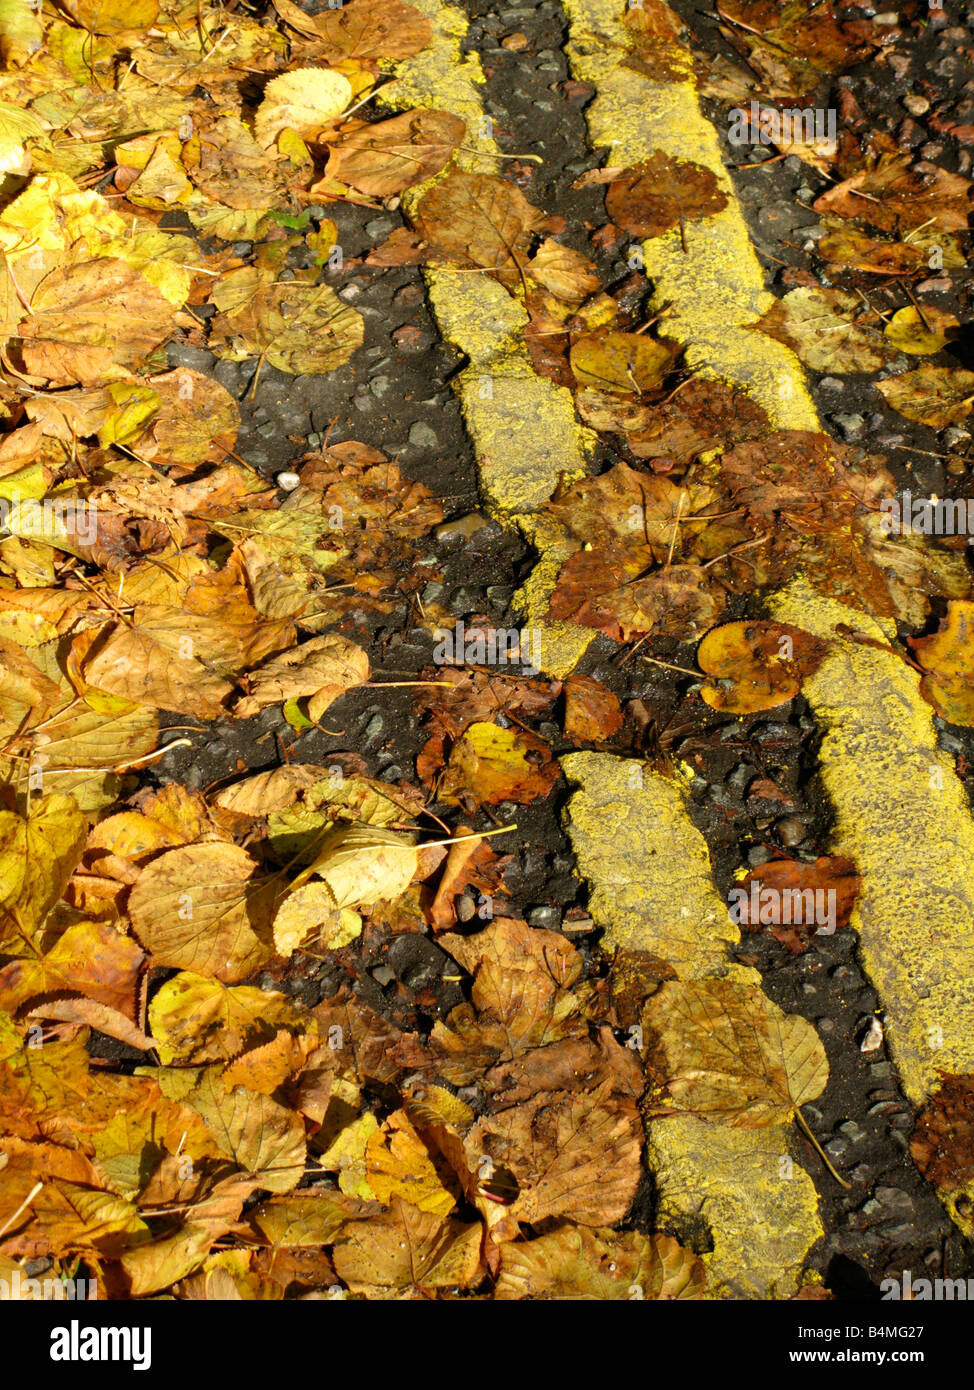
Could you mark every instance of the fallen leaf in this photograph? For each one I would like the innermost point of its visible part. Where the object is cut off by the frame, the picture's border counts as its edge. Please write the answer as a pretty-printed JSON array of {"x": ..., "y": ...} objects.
[
  {"x": 629, "y": 362},
  {"x": 406, "y": 1252},
  {"x": 575, "y": 1262},
  {"x": 363, "y": 863},
  {"x": 567, "y": 274},
  {"x": 757, "y": 665},
  {"x": 942, "y": 1145},
  {"x": 304, "y": 99},
  {"x": 655, "y": 196},
  {"x": 479, "y": 221},
  {"x": 821, "y": 327},
  {"x": 309, "y": 917},
  {"x": 900, "y": 196},
  {"x": 323, "y": 668},
  {"x": 723, "y": 1051},
  {"x": 921, "y": 330},
  {"x": 297, "y": 328},
  {"x": 195, "y": 1019},
  {"x": 489, "y": 764},
  {"x": 204, "y": 908},
  {"x": 37, "y": 857},
  {"x": 385, "y": 159},
  {"x": 572, "y": 1155},
  {"x": 797, "y": 900},
  {"x": 947, "y": 660},
  {"x": 368, "y": 29},
  {"x": 933, "y": 396},
  {"x": 592, "y": 713}
]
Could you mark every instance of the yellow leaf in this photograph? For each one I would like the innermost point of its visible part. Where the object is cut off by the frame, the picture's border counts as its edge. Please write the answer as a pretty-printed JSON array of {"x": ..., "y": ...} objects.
[
  {"x": 203, "y": 908},
  {"x": 160, "y": 1263},
  {"x": 575, "y": 1263},
  {"x": 724, "y": 1051},
  {"x": 197, "y": 1019},
  {"x": 134, "y": 408},
  {"x": 37, "y": 857},
  {"x": 21, "y": 32},
  {"x": 398, "y": 1164},
  {"x": 364, "y": 864},
  {"x": 263, "y": 1138},
  {"x": 909, "y": 331},
  {"x": 309, "y": 916},
  {"x": 302, "y": 100}
]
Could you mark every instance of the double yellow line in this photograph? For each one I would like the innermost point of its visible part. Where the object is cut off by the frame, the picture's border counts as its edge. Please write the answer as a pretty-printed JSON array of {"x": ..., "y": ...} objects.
[{"x": 900, "y": 811}]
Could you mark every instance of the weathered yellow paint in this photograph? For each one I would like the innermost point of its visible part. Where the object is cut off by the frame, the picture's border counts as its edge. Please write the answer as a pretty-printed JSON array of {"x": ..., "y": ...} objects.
[
  {"x": 651, "y": 889},
  {"x": 715, "y": 288},
  {"x": 522, "y": 426},
  {"x": 902, "y": 815}
]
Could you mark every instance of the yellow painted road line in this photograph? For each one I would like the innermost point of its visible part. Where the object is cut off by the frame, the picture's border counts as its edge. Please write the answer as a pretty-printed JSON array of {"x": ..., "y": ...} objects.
[
  {"x": 652, "y": 890},
  {"x": 716, "y": 286},
  {"x": 522, "y": 426},
  {"x": 901, "y": 812},
  {"x": 902, "y": 816}
]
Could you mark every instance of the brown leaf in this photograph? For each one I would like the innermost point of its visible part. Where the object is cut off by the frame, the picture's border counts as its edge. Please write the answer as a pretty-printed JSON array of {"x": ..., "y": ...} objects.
[
  {"x": 479, "y": 221},
  {"x": 797, "y": 900},
  {"x": 628, "y": 362},
  {"x": 572, "y": 1155},
  {"x": 370, "y": 29},
  {"x": 384, "y": 159},
  {"x": 101, "y": 303},
  {"x": 592, "y": 713},
  {"x": 651, "y": 198},
  {"x": 943, "y": 1137},
  {"x": 323, "y": 668},
  {"x": 899, "y": 197},
  {"x": 567, "y": 274}
]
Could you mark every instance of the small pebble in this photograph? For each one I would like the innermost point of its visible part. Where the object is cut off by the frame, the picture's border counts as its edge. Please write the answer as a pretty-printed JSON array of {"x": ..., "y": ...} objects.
[
  {"x": 462, "y": 528},
  {"x": 383, "y": 975},
  {"x": 916, "y": 104},
  {"x": 421, "y": 436},
  {"x": 790, "y": 831},
  {"x": 872, "y": 1039}
]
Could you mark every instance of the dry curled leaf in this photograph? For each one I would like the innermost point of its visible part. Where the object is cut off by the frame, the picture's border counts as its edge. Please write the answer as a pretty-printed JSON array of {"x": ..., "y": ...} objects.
[{"x": 947, "y": 660}]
